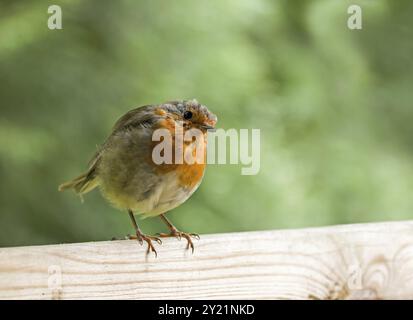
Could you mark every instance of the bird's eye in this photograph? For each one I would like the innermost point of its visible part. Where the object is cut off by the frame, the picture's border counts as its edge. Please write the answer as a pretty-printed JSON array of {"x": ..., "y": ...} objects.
[{"x": 187, "y": 115}]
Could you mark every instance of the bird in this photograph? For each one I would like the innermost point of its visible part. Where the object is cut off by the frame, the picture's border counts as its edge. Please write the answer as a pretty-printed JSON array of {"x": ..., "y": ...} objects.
[{"x": 124, "y": 170}]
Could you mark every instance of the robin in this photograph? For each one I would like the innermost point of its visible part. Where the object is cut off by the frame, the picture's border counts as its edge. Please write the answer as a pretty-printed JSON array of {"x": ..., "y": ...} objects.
[{"x": 124, "y": 169}]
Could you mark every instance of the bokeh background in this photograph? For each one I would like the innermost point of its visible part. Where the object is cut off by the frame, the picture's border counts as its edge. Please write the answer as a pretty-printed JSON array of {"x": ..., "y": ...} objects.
[{"x": 334, "y": 107}]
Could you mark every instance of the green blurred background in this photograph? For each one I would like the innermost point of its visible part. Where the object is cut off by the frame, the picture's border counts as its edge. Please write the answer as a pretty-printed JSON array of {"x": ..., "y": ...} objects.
[{"x": 334, "y": 107}]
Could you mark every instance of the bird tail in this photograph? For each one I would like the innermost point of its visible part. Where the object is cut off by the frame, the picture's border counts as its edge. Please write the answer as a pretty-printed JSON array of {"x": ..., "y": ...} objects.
[{"x": 82, "y": 184}]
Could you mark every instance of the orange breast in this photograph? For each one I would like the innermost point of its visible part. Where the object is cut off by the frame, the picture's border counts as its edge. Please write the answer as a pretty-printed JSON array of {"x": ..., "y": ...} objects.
[{"x": 189, "y": 175}]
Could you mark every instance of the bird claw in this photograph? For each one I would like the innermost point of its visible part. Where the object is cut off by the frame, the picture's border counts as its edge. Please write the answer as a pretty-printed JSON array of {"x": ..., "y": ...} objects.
[
  {"x": 148, "y": 239},
  {"x": 195, "y": 235},
  {"x": 179, "y": 235}
]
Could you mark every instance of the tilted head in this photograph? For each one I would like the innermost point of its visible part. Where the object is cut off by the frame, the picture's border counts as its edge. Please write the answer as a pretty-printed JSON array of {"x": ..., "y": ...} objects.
[
  {"x": 188, "y": 113},
  {"x": 191, "y": 113}
]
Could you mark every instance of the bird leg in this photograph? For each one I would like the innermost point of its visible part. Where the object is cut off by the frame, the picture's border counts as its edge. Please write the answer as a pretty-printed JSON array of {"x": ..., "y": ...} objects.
[
  {"x": 140, "y": 236},
  {"x": 174, "y": 232}
]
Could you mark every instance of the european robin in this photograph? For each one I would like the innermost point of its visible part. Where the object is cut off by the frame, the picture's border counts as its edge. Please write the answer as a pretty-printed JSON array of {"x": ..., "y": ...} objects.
[{"x": 124, "y": 170}]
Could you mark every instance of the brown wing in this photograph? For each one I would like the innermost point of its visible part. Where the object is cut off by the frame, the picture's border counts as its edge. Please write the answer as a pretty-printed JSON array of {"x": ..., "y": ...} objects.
[{"x": 138, "y": 117}]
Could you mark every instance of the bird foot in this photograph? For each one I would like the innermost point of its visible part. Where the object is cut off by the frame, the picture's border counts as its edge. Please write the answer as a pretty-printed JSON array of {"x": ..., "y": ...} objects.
[
  {"x": 179, "y": 235},
  {"x": 148, "y": 239}
]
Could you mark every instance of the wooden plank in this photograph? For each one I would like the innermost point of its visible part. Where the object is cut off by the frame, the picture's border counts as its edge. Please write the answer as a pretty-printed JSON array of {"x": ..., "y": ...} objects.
[{"x": 366, "y": 261}]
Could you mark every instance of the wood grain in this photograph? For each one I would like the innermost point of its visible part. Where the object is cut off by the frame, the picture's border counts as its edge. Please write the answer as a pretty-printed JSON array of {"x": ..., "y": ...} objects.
[{"x": 366, "y": 261}]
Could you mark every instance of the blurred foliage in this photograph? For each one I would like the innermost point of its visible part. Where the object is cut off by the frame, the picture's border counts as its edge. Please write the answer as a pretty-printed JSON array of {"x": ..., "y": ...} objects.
[{"x": 334, "y": 107}]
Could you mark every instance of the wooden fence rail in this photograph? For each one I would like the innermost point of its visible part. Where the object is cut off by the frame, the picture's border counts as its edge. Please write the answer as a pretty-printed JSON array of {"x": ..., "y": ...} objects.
[{"x": 365, "y": 261}]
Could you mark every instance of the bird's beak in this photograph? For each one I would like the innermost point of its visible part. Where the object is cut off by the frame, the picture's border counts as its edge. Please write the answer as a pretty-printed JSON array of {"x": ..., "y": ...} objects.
[{"x": 207, "y": 127}]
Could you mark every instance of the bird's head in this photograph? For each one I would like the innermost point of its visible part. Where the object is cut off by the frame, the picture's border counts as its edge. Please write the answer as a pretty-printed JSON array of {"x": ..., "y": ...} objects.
[{"x": 191, "y": 114}]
